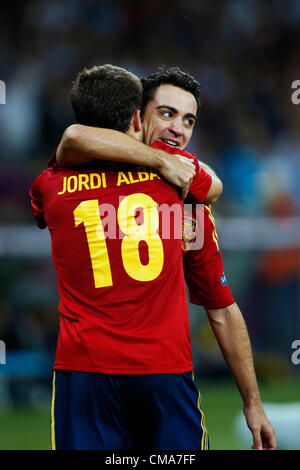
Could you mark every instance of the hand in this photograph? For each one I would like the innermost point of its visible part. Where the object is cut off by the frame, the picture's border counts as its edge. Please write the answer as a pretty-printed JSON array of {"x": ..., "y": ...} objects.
[
  {"x": 178, "y": 170},
  {"x": 262, "y": 430}
]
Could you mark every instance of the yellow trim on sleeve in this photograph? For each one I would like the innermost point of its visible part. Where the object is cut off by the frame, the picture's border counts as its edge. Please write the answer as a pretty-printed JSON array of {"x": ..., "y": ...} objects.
[{"x": 214, "y": 234}]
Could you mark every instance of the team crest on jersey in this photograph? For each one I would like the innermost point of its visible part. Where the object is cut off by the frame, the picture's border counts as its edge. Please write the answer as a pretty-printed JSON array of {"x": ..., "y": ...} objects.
[
  {"x": 223, "y": 280},
  {"x": 189, "y": 227}
]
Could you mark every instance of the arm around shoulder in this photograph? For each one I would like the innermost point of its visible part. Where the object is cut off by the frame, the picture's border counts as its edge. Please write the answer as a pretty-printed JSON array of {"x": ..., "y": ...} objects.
[
  {"x": 82, "y": 144},
  {"x": 72, "y": 149}
]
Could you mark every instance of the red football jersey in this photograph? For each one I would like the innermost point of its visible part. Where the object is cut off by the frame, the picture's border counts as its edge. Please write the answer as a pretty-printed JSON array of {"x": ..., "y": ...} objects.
[
  {"x": 203, "y": 267},
  {"x": 123, "y": 305}
]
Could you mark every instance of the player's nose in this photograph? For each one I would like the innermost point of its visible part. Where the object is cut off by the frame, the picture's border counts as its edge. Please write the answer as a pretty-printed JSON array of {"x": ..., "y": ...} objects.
[{"x": 176, "y": 126}]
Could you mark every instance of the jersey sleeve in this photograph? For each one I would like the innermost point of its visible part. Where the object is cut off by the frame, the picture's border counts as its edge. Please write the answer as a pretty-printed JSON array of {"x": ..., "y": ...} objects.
[
  {"x": 199, "y": 187},
  {"x": 202, "y": 180},
  {"x": 204, "y": 270},
  {"x": 52, "y": 161},
  {"x": 37, "y": 203}
]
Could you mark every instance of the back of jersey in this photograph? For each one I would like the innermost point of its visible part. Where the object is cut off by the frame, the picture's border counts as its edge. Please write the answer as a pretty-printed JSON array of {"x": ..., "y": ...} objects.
[{"x": 123, "y": 305}]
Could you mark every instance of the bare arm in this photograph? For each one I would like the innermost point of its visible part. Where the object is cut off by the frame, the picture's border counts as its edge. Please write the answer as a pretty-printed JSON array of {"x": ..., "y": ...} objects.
[
  {"x": 231, "y": 333},
  {"x": 216, "y": 188},
  {"x": 82, "y": 144}
]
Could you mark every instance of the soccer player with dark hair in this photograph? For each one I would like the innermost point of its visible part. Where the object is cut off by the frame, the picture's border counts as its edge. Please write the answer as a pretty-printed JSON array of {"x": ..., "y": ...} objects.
[
  {"x": 171, "y": 102},
  {"x": 123, "y": 366},
  {"x": 169, "y": 76},
  {"x": 106, "y": 96}
]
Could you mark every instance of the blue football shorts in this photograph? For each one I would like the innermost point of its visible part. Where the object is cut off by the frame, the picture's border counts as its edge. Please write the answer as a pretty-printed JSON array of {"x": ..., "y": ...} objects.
[{"x": 93, "y": 411}]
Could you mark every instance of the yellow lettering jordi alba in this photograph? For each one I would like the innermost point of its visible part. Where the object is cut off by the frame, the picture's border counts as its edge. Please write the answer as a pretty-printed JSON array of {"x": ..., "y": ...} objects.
[
  {"x": 128, "y": 177},
  {"x": 82, "y": 181},
  {"x": 73, "y": 183}
]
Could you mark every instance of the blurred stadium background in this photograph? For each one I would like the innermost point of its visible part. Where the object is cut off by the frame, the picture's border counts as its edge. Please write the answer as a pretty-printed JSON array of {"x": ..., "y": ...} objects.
[{"x": 246, "y": 55}]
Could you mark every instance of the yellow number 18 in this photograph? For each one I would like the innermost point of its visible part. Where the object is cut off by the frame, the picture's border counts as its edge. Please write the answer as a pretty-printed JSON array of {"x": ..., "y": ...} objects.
[{"x": 87, "y": 212}]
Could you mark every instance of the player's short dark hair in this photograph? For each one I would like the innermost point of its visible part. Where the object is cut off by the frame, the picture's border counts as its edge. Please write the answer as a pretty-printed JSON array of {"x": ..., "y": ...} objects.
[
  {"x": 106, "y": 96},
  {"x": 169, "y": 76}
]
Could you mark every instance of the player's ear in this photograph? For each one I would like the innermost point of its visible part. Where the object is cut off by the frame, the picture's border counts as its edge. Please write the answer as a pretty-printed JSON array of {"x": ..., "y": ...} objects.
[
  {"x": 136, "y": 121},
  {"x": 135, "y": 128}
]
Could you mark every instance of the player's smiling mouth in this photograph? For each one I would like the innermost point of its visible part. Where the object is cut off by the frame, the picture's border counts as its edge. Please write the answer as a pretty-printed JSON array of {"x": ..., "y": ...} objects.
[{"x": 170, "y": 142}]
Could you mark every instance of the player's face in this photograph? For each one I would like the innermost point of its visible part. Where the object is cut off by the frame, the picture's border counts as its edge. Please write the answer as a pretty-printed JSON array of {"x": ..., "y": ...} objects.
[{"x": 170, "y": 116}]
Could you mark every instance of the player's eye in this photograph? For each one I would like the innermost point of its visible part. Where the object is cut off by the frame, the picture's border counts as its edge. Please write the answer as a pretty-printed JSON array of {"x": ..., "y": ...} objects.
[
  {"x": 166, "y": 113},
  {"x": 189, "y": 122}
]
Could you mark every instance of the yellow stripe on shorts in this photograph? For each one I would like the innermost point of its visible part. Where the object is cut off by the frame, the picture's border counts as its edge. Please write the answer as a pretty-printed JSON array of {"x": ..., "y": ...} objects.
[
  {"x": 53, "y": 447},
  {"x": 204, "y": 440}
]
